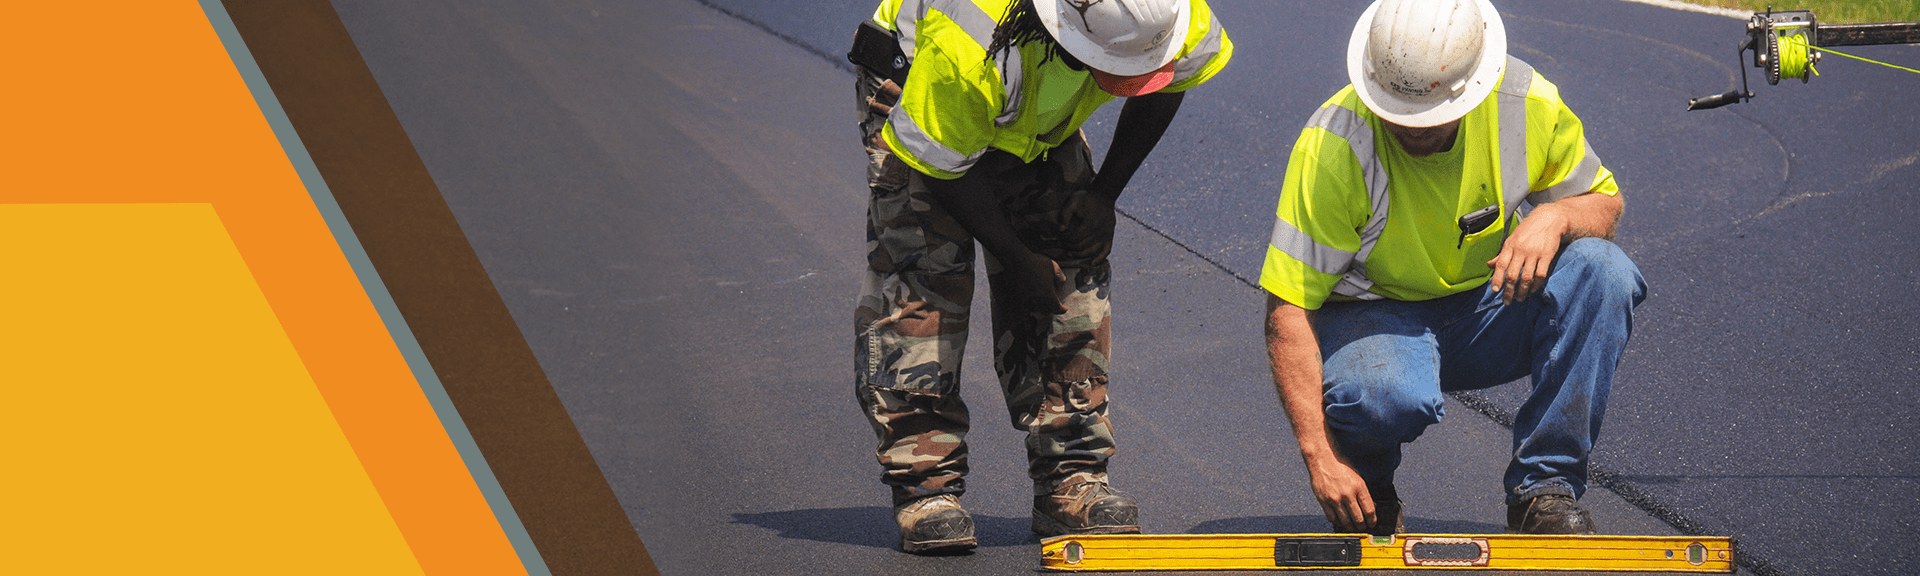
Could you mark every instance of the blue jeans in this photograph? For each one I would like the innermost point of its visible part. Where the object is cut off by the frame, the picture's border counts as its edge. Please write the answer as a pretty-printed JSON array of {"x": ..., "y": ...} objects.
[{"x": 1388, "y": 363}]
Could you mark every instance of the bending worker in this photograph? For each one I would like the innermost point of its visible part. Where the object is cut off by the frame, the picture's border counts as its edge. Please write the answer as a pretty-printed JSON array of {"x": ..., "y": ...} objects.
[
  {"x": 983, "y": 143},
  {"x": 1400, "y": 267}
]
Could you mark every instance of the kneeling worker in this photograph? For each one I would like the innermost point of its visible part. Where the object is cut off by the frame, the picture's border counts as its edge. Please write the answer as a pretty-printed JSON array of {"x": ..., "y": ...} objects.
[
  {"x": 1400, "y": 269},
  {"x": 983, "y": 143}
]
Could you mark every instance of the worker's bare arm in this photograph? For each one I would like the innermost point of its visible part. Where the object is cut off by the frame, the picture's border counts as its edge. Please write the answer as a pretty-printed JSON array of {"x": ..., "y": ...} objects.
[
  {"x": 1526, "y": 257},
  {"x": 1293, "y": 353},
  {"x": 1142, "y": 121},
  {"x": 1589, "y": 215}
]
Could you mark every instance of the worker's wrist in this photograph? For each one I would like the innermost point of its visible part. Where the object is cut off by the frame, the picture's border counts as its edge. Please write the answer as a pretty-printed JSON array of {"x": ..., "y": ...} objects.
[
  {"x": 1317, "y": 454},
  {"x": 1556, "y": 219}
]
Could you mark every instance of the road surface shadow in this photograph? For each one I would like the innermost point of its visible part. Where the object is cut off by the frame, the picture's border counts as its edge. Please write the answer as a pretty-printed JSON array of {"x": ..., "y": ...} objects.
[
  {"x": 1305, "y": 524},
  {"x": 873, "y": 526}
]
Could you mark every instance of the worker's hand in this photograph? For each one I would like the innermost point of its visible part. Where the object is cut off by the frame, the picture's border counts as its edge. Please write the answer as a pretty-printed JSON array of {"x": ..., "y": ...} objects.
[
  {"x": 1086, "y": 225},
  {"x": 1527, "y": 255},
  {"x": 1037, "y": 282},
  {"x": 1343, "y": 495}
]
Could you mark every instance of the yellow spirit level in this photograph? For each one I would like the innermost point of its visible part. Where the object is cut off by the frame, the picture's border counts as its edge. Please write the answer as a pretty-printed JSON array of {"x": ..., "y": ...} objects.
[{"x": 1403, "y": 551}]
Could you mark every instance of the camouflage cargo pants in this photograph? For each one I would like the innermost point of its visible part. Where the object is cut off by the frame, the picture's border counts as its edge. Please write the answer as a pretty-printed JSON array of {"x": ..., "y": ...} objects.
[{"x": 913, "y": 313}]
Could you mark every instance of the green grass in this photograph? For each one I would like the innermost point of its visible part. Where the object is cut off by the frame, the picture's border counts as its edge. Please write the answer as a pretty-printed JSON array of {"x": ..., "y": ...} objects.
[{"x": 1833, "y": 11}]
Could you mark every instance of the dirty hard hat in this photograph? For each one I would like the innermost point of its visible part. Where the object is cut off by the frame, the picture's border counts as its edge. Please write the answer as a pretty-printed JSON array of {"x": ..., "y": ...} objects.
[
  {"x": 1425, "y": 63},
  {"x": 1118, "y": 37}
]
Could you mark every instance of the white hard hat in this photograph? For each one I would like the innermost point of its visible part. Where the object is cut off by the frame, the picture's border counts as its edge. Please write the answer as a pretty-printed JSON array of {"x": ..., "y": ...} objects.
[
  {"x": 1119, "y": 37},
  {"x": 1425, "y": 63}
]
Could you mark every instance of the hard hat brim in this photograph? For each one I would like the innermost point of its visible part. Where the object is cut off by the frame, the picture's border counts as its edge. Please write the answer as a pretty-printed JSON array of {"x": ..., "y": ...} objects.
[
  {"x": 1095, "y": 54},
  {"x": 1486, "y": 76},
  {"x": 1128, "y": 86}
]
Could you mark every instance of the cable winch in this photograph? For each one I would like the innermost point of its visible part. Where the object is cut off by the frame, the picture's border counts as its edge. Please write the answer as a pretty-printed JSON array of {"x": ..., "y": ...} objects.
[{"x": 1789, "y": 43}]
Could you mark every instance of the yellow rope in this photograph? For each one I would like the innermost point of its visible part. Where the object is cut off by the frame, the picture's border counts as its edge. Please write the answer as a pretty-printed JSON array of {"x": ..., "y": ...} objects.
[
  {"x": 1795, "y": 59},
  {"x": 1831, "y": 51}
]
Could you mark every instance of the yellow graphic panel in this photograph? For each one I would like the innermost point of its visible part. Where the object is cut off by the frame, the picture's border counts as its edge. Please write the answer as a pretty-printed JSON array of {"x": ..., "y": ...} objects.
[{"x": 157, "y": 419}]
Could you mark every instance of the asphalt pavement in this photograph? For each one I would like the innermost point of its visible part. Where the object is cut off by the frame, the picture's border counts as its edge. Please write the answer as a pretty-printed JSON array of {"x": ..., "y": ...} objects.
[{"x": 669, "y": 197}]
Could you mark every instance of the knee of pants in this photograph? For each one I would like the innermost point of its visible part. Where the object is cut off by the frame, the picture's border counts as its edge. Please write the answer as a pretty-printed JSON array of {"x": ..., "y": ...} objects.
[
  {"x": 911, "y": 331},
  {"x": 1379, "y": 410},
  {"x": 1603, "y": 270},
  {"x": 1385, "y": 387}
]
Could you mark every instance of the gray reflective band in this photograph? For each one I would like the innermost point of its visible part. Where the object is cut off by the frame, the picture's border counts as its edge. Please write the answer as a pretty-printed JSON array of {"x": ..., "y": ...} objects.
[
  {"x": 1293, "y": 242},
  {"x": 1514, "y": 84},
  {"x": 1012, "y": 74},
  {"x": 1359, "y": 136},
  {"x": 976, "y": 22},
  {"x": 925, "y": 147},
  {"x": 1355, "y": 284},
  {"x": 906, "y": 23},
  {"x": 1577, "y": 182},
  {"x": 1195, "y": 61}
]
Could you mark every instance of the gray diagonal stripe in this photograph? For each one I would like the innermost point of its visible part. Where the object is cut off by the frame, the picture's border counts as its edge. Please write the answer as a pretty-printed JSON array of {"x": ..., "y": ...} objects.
[
  {"x": 976, "y": 22},
  {"x": 1514, "y": 85},
  {"x": 1012, "y": 74},
  {"x": 906, "y": 24},
  {"x": 924, "y": 147},
  {"x": 1577, "y": 182},
  {"x": 1202, "y": 53},
  {"x": 1355, "y": 284},
  {"x": 1347, "y": 124},
  {"x": 979, "y": 25},
  {"x": 1323, "y": 258}
]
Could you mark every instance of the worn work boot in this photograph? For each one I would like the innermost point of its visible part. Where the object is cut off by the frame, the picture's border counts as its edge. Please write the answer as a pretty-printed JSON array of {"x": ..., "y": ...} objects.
[
  {"x": 1389, "y": 513},
  {"x": 1088, "y": 507},
  {"x": 934, "y": 525},
  {"x": 1549, "y": 514}
]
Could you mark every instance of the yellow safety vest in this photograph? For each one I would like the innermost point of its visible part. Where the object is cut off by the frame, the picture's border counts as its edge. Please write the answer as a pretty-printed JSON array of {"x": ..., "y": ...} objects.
[
  {"x": 1358, "y": 219},
  {"x": 958, "y": 103}
]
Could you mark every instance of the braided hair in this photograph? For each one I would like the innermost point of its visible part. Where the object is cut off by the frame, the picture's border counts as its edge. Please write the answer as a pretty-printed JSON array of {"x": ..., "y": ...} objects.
[{"x": 1020, "y": 25}]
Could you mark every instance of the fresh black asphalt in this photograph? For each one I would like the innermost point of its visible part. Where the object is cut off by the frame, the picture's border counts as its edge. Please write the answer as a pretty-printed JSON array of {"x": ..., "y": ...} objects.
[{"x": 668, "y": 195}]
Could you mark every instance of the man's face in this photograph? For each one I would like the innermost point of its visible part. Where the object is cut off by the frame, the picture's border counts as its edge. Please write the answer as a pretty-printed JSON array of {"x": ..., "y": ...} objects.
[{"x": 1421, "y": 142}]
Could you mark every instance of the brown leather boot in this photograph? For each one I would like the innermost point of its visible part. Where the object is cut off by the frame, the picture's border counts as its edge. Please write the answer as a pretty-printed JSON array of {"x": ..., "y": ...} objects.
[
  {"x": 1085, "y": 507},
  {"x": 934, "y": 525},
  {"x": 1549, "y": 514}
]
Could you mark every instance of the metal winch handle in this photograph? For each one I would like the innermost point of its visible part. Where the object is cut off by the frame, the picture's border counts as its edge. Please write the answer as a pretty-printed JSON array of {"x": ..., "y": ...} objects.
[{"x": 1718, "y": 100}]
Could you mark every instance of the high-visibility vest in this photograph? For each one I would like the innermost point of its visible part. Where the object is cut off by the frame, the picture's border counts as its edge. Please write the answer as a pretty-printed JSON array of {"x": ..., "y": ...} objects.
[
  {"x": 958, "y": 103},
  {"x": 1359, "y": 219}
]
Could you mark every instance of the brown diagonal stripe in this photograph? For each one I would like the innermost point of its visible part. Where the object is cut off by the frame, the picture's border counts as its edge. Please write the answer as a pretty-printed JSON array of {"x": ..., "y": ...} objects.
[{"x": 440, "y": 287}]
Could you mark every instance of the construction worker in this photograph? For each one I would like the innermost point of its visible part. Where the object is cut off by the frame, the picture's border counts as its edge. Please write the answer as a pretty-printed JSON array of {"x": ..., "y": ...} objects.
[
  {"x": 1400, "y": 266},
  {"x": 983, "y": 143}
]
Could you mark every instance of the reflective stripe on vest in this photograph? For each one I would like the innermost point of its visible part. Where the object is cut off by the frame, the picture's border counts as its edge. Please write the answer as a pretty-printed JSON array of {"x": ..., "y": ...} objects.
[
  {"x": 1577, "y": 182},
  {"x": 1351, "y": 266},
  {"x": 1346, "y": 124},
  {"x": 926, "y": 148},
  {"x": 1197, "y": 59},
  {"x": 1513, "y": 133},
  {"x": 980, "y": 26},
  {"x": 976, "y": 22},
  {"x": 906, "y": 23}
]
